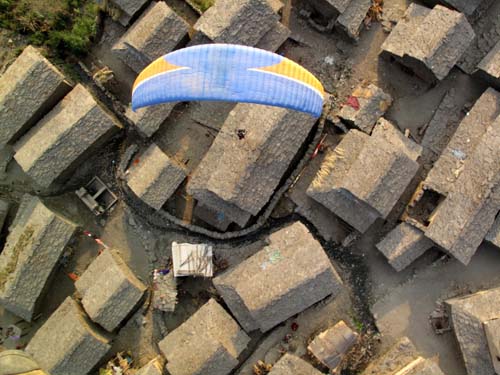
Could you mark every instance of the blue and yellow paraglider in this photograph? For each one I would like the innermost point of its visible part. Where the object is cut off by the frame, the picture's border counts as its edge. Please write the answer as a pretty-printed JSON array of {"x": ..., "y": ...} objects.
[{"x": 228, "y": 72}]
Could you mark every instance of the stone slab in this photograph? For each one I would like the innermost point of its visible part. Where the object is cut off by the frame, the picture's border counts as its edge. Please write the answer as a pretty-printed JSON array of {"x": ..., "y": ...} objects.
[
  {"x": 259, "y": 295},
  {"x": 438, "y": 43},
  {"x": 208, "y": 343},
  {"x": 399, "y": 356},
  {"x": 403, "y": 245},
  {"x": 327, "y": 9},
  {"x": 373, "y": 102},
  {"x": 4, "y": 211},
  {"x": 148, "y": 120},
  {"x": 199, "y": 38},
  {"x": 109, "y": 290},
  {"x": 340, "y": 5},
  {"x": 467, "y": 315},
  {"x": 463, "y": 219},
  {"x": 440, "y": 129},
  {"x": 464, "y": 141},
  {"x": 153, "y": 367},
  {"x": 429, "y": 42},
  {"x": 291, "y": 364},
  {"x": 155, "y": 177},
  {"x": 212, "y": 218},
  {"x": 466, "y": 6},
  {"x": 274, "y": 38},
  {"x": 396, "y": 139},
  {"x": 276, "y": 5},
  {"x": 492, "y": 331},
  {"x": 380, "y": 175},
  {"x": 238, "y": 22},
  {"x": 68, "y": 343},
  {"x": 227, "y": 211},
  {"x": 400, "y": 38},
  {"x": 29, "y": 88},
  {"x": 26, "y": 206},
  {"x": 330, "y": 346},
  {"x": 471, "y": 8},
  {"x": 487, "y": 29},
  {"x": 335, "y": 167},
  {"x": 362, "y": 179},
  {"x": 328, "y": 225},
  {"x": 493, "y": 235},
  {"x": 421, "y": 366},
  {"x": 239, "y": 174},
  {"x": 158, "y": 31},
  {"x": 490, "y": 65},
  {"x": 68, "y": 133},
  {"x": 351, "y": 19},
  {"x": 210, "y": 114},
  {"x": 30, "y": 257},
  {"x": 127, "y": 9}
]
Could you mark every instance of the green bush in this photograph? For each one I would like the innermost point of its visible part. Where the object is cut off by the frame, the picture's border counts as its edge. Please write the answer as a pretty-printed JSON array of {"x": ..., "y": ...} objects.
[
  {"x": 5, "y": 8},
  {"x": 78, "y": 37},
  {"x": 204, "y": 4},
  {"x": 64, "y": 26}
]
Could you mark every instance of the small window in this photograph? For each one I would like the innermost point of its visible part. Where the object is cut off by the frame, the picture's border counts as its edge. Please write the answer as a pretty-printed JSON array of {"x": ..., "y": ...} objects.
[{"x": 423, "y": 209}]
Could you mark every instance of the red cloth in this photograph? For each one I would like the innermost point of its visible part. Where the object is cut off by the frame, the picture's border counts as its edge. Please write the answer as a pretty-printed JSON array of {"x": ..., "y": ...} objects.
[{"x": 353, "y": 102}]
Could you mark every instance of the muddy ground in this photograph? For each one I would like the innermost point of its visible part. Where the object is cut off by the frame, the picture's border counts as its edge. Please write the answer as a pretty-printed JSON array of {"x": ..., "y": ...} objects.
[{"x": 381, "y": 303}]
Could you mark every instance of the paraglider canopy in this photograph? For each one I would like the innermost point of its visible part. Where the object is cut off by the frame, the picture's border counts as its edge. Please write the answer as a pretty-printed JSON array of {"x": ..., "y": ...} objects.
[{"x": 228, "y": 72}]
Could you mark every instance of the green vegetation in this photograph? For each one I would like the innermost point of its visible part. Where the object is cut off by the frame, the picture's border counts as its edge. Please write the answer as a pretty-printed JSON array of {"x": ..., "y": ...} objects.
[
  {"x": 357, "y": 323},
  {"x": 203, "y": 5},
  {"x": 24, "y": 241},
  {"x": 63, "y": 26}
]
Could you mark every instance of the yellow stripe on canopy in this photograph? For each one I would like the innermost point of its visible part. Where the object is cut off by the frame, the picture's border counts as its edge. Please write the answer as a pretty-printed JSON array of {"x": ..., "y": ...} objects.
[
  {"x": 158, "y": 66},
  {"x": 293, "y": 70}
]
